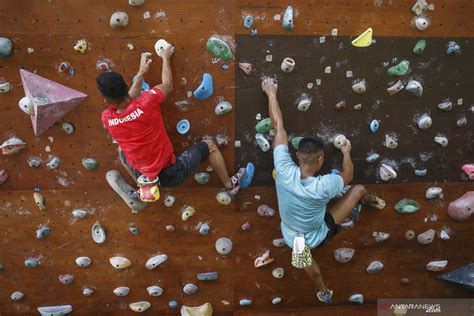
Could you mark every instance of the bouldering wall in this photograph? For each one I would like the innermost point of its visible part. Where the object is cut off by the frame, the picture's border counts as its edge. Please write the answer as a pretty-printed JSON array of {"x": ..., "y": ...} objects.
[{"x": 43, "y": 35}]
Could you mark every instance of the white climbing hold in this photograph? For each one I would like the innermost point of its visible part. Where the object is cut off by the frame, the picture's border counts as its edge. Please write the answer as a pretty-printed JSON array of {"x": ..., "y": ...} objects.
[
  {"x": 169, "y": 200},
  {"x": 190, "y": 288},
  {"x": 415, "y": 88},
  {"x": 223, "y": 198},
  {"x": 139, "y": 307},
  {"x": 202, "y": 310},
  {"x": 223, "y": 108},
  {"x": 154, "y": 290},
  {"x": 98, "y": 233},
  {"x": 434, "y": 192},
  {"x": 427, "y": 237},
  {"x": 83, "y": 261},
  {"x": 120, "y": 262},
  {"x": 443, "y": 234},
  {"x": 155, "y": 261},
  {"x": 223, "y": 246},
  {"x": 55, "y": 310},
  {"x": 390, "y": 142},
  {"x": 136, "y": 3},
  {"x": 339, "y": 141},
  {"x": 424, "y": 122},
  {"x": 79, "y": 213},
  {"x": 288, "y": 65},
  {"x": 374, "y": 267},
  {"x": 87, "y": 291},
  {"x": 442, "y": 140},
  {"x": 186, "y": 212},
  {"x": 357, "y": 299},
  {"x": 380, "y": 236},
  {"x": 386, "y": 172},
  {"x": 421, "y": 23},
  {"x": 280, "y": 242},
  {"x": 445, "y": 106},
  {"x": 278, "y": 273},
  {"x": 359, "y": 87},
  {"x": 16, "y": 296},
  {"x": 160, "y": 46},
  {"x": 26, "y": 105},
  {"x": 373, "y": 157},
  {"x": 437, "y": 265},
  {"x": 262, "y": 142},
  {"x": 121, "y": 291},
  {"x": 276, "y": 300},
  {"x": 119, "y": 20},
  {"x": 263, "y": 260},
  {"x": 344, "y": 255},
  {"x": 304, "y": 105},
  {"x": 397, "y": 87}
]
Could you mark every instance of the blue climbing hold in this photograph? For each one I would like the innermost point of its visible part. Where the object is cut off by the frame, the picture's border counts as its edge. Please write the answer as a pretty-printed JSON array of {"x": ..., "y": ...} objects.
[
  {"x": 245, "y": 302},
  {"x": 145, "y": 86},
  {"x": 453, "y": 48},
  {"x": 204, "y": 90},
  {"x": 31, "y": 263},
  {"x": 374, "y": 126},
  {"x": 247, "y": 178},
  {"x": 248, "y": 21},
  {"x": 173, "y": 304},
  {"x": 287, "y": 22},
  {"x": 207, "y": 276},
  {"x": 183, "y": 126},
  {"x": 204, "y": 229}
]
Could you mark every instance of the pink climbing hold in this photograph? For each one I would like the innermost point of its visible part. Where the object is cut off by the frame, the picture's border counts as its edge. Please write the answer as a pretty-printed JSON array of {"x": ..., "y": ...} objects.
[
  {"x": 246, "y": 226},
  {"x": 51, "y": 100},
  {"x": 170, "y": 228},
  {"x": 265, "y": 211},
  {"x": 469, "y": 170},
  {"x": 263, "y": 260},
  {"x": 461, "y": 209},
  {"x": 3, "y": 176},
  {"x": 66, "y": 278},
  {"x": 246, "y": 68}
]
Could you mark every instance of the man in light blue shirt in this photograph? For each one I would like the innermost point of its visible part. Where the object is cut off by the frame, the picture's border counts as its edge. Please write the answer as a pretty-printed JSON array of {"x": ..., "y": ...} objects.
[{"x": 303, "y": 195}]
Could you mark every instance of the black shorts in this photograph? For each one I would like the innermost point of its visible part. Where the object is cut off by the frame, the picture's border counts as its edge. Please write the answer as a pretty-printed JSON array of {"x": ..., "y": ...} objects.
[
  {"x": 185, "y": 165},
  {"x": 333, "y": 229}
]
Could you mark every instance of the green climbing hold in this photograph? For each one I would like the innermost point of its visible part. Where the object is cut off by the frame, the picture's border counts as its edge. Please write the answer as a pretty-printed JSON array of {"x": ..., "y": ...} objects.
[
  {"x": 419, "y": 47},
  {"x": 400, "y": 69},
  {"x": 219, "y": 48},
  {"x": 89, "y": 163},
  {"x": 264, "y": 126},
  {"x": 407, "y": 206},
  {"x": 295, "y": 142}
]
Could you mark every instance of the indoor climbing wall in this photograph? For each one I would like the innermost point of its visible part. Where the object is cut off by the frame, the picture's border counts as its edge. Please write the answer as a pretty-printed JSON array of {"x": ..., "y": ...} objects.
[{"x": 75, "y": 198}]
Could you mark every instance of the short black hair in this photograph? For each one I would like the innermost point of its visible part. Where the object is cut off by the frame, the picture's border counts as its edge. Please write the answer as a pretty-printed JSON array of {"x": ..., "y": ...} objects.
[
  {"x": 112, "y": 86},
  {"x": 310, "y": 148}
]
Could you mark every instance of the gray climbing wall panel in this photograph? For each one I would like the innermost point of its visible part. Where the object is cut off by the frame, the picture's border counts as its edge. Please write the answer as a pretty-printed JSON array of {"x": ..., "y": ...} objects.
[{"x": 442, "y": 76}]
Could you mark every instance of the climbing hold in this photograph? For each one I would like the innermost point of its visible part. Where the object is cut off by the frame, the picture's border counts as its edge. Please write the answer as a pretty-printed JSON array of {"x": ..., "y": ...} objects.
[
  {"x": 380, "y": 236},
  {"x": 190, "y": 288},
  {"x": 160, "y": 46},
  {"x": 32, "y": 263},
  {"x": 139, "y": 307},
  {"x": 246, "y": 68},
  {"x": 5, "y": 47},
  {"x": 119, "y": 20},
  {"x": 204, "y": 90},
  {"x": 223, "y": 198},
  {"x": 434, "y": 192},
  {"x": 414, "y": 87},
  {"x": 39, "y": 200},
  {"x": 437, "y": 265},
  {"x": 202, "y": 177},
  {"x": 134, "y": 230},
  {"x": 55, "y": 310},
  {"x": 264, "y": 126},
  {"x": 400, "y": 69},
  {"x": 223, "y": 108},
  {"x": 265, "y": 211},
  {"x": 124, "y": 190},
  {"x": 461, "y": 277},
  {"x": 410, "y": 235},
  {"x": 245, "y": 302},
  {"x": 87, "y": 291},
  {"x": 34, "y": 161},
  {"x": 155, "y": 261},
  {"x": 120, "y": 262},
  {"x": 374, "y": 126},
  {"x": 357, "y": 107},
  {"x": 288, "y": 23},
  {"x": 173, "y": 304},
  {"x": 219, "y": 48},
  {"x": 81, "y": 46},
  {"x": 66, "y": 278},
  {"x": 424, "y": 122},
  {"x": 89, "y": 163},
  {"x": 207, "y": 276},
  {"x": 363, "y": 40},
  {"x": 68, "y": 128},
  {"x": 26, "y": 105},
  {"x": 295, "y": 142},
  {"x": 204, "y": 229},
  {"x": 421, "y": 23},
  {"x": 83, "y": 261},
  {"x": 223, "y": 246},
  {"x": 98, "y": 233},
  {"x": 359, "y": 87},
  {"x": 79, "y": 213},
  {"x": 419, "y": 47},
  {"x": 343, "y": 255},
  {"x": 278, "y": 273},
  {"x": 53, "y": 163},
  {"x": 203, "y": 310},
  {"x": 170, "y": 228},
  {"x": 183, "y": 126},
  {"x": 304, "y": 105},
  {"x": 12, "y": 146},
  {"x": 462, "y": 208},
  {"x": 374, "y": 267},
  {"x": 339, "y": 141},
  {"x": 287, "y": 65},
  {"x": 248, "y": 21},
  {"x": 187, "y": 212},
  {"x": 154, "y": 290},
  {"x": 404, "y": 281},
  {"x": 136, "y": 3},
  {"x": 453, "y": 48},
  {"x": 65, "y": 68},
  {"x": 263, "y": 260},
  {"x": 445, "y": 106},
  {"x": 467, "y": 168},
  {"x": 262, "y": 142},
  {"x": 3, "y": 176},
  {"x": 373, "y": 157},
  {"x": 341, "y": 105},
  {"x": 280, "y": 242},
  {"x": 248, "y": 176},
  {"x": 442, "y": 140},
  {"x": 42, "y": 232},
  {"x": 5, "y": 86},
  {"x": 357, "y": 299},
  {"x": 397, "y": 87},
  {"x": 461, "y": 120},
  {"x": 386, "y": 172},
  {"x": 16, "y": 296},
  {"x": 390, "y": 142},
  {"x": 276, "y": 300},
  {"x": 426, "y": 238},
  {"x": 421, "y": 172},
  {"x": 246, "y": 227},
  {"x": 407, "y": 206},
  {"x": 169, "y": 200}
]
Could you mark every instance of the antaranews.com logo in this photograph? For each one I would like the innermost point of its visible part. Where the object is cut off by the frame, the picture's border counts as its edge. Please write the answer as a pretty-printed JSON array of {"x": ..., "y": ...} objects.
[{"x": 439, "y": 307}]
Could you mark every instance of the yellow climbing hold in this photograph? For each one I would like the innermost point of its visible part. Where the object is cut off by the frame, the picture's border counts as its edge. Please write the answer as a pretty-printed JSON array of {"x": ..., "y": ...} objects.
[{"x": 364, "y": 40}]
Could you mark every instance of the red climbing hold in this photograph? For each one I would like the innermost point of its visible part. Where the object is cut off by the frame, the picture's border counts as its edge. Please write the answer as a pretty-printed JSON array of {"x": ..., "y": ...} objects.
[
  {"x": 462, "y": 208},
  {"x": 469, "y": 170}
]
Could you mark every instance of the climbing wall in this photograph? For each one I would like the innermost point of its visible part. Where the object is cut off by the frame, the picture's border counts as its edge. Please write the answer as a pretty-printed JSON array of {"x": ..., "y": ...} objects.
[{"x": 43, "y": 35}]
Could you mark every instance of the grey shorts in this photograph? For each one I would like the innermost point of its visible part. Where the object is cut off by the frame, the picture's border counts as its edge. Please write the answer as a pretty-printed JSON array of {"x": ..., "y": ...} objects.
[
  {"x": 333, "y": 229},
  {"x": 185, "y": 165}
]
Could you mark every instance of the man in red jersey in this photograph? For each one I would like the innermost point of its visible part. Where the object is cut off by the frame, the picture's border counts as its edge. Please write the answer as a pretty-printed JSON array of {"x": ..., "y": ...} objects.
[{"x": 134, "y": 120}]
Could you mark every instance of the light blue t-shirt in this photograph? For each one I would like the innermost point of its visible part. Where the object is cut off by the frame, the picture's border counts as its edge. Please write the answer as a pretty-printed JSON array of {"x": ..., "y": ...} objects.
[{"x": 302, "y": 202}]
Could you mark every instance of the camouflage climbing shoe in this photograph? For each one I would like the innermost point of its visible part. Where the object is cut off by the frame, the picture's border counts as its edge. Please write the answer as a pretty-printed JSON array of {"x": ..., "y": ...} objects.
[
  {"x": 325, "y": 297},
  {"x": 149, "y": 189},
  {"x": 235, "y": 180},
  {"x": 356, "y": 213}
]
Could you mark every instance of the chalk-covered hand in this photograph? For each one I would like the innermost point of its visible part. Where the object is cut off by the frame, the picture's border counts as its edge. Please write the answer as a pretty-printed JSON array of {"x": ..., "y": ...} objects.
[
  {"x": 145, "y": 62},
  {"x": 167, "y": 52},
  {"x": 346, "y": 149},
  {"x": 269, "y": 86}
]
